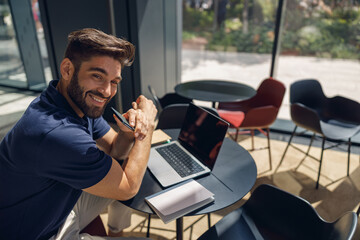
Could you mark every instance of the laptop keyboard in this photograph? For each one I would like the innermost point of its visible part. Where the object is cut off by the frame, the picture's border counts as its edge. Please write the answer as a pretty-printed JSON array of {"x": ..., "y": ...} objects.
[{"x": 182, "y": 163}]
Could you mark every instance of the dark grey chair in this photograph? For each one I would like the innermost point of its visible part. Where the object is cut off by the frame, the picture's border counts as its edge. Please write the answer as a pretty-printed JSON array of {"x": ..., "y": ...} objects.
[
  {"x": 274, "y": 214},
  {"x": 167, "y": 99},
  {"x": 336, "y": 119}
]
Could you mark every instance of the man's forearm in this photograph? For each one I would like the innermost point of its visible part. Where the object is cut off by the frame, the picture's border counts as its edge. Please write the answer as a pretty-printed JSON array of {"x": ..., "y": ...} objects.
[
  {"x": 122, "y": 145},
  {"x": 135, "y": 165},
  {"x": 123, "y": 182}
]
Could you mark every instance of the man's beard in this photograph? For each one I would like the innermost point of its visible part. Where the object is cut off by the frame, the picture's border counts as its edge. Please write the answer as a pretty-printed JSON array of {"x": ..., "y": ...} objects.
[{"x": 78, "y": 95}]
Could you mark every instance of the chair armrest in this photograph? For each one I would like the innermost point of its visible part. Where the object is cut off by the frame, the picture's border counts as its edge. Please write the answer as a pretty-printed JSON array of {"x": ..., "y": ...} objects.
[
  {"x": 260, "y": 117},
  {"x": 305, "y": 117},
  {"x": 343, "y": 109}
]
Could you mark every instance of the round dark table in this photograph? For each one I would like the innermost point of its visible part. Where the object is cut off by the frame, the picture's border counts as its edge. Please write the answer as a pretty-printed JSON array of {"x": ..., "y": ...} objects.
[
  {"x": 215, "y": 90},
  {"x": 232, "y": 177}
]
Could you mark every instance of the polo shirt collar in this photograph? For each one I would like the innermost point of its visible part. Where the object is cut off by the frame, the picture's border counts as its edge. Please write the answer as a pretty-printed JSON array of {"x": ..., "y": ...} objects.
[{"x": 59, "y": 100}]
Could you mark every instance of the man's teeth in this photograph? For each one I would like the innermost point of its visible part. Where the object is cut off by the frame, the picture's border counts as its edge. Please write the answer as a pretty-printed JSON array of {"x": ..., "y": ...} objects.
[{"x": 98, "y": 99}]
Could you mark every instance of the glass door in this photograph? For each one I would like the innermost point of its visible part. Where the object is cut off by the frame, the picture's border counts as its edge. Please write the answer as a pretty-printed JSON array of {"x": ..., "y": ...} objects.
[
  {"x": 11, "y": 66},
  {"x": 21, "y": 63}
]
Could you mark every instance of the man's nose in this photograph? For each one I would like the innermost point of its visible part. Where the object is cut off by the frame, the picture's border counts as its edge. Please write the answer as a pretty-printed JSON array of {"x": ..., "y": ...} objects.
[{"x": 105, "y": 89}]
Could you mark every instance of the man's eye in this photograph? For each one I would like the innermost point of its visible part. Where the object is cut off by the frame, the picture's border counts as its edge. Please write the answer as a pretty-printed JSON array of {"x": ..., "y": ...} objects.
[
  {"x": 115, "y": 82},
  {"x": 97, "y": 76}
]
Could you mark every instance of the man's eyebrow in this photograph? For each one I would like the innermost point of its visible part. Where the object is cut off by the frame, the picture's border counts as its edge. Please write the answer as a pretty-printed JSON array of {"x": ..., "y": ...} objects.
[
  {"x": 102, "y": 71},
  {"x": 97, "y": 69}
]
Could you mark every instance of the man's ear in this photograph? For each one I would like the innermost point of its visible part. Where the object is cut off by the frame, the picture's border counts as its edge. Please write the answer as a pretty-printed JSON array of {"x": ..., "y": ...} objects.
[{"x": 67, "y": 69}]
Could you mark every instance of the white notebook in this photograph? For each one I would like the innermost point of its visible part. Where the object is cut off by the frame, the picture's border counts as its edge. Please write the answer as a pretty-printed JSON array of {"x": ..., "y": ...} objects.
[{"x": 179, "y": 200}]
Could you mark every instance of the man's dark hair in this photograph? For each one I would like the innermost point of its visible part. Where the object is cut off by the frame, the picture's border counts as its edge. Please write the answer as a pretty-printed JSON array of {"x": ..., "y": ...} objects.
[{"x": 89, "y": 42}]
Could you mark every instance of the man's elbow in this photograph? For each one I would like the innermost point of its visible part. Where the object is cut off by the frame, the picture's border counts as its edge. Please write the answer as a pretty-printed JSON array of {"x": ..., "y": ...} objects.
[{"x": 132, "y": 191}]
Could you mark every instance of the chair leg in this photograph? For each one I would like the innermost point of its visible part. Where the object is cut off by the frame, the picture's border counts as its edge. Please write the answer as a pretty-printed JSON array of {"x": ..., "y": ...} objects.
[
  {"x": 252, "y": 139},
  {"x": 287, "y": 147},
  {"x": 348, "y": 167},
  {"x": 310, "y": 144},
  {"x": 148, "y": 226},
  {"x": 268, "y": 140},
  {"x": 308, "y": 150},
  {"x": 209, "y": 220},
  {"x": 236, "y": 134},
  {"x": 321, "y": 158}
]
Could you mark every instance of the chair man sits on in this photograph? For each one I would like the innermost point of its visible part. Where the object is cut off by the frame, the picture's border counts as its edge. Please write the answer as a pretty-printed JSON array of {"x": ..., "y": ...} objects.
[
  {"x": 258, "y": 112},
  {"x": 336, "y": 119},
  {"x": 274, "y": 214}
]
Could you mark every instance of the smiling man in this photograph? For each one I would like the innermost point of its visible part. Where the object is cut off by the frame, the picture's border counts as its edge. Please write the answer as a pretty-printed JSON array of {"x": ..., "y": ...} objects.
[{"x": 62, "y": 164}]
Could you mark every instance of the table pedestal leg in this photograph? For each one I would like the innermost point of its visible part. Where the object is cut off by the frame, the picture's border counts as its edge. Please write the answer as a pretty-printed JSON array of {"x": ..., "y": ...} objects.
[{"x": 179, "y": 228}]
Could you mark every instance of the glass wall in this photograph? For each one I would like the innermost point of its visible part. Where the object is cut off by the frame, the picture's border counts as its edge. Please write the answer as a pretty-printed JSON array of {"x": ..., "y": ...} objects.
[
  {"x": 11, "y": 66},
  {"x": 23, "y": 54},
  {"x": 320, "y": 40},
  {"x": 235, "y": 45}
]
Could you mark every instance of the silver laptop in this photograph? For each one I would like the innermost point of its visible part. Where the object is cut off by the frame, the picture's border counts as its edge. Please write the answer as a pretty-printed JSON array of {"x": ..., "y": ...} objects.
[{"x": 194, "y": 152}]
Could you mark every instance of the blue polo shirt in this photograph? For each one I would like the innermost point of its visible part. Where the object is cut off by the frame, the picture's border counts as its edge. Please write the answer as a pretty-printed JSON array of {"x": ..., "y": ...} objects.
[{"x": 45, "y": 161}]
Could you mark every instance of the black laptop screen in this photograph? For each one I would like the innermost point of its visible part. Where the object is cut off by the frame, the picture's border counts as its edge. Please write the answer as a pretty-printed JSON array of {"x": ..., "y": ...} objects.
[{"x": 202, "y": 134}]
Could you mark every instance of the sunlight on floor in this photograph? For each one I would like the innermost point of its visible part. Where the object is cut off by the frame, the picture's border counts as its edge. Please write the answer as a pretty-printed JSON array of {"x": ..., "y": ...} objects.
[{"x": 336, "y": 194}]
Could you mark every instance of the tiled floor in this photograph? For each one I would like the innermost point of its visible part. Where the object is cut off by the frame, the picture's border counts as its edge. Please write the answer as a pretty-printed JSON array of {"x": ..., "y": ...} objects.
[{"x": 337, "y": 193}]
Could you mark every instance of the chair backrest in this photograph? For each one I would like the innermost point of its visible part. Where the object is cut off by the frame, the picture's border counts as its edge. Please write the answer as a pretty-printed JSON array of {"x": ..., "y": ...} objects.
[
  {"x": 307, "y": 92},
  {"x": 173, "y": 98},
  {"x": 270, "y": 92},
  {"x": 172, "y": 116},
  {"x": 282, "y": 215},
  {"x": 155, "y": 98},
  {"x": 308, "y": 104},
  {"x": 262, "y": 109},
  {"x": 167, "y": 99}
]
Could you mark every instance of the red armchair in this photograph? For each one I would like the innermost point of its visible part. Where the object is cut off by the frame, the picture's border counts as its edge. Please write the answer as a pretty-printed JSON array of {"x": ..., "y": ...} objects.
[{"x": 258, "y": 112}]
